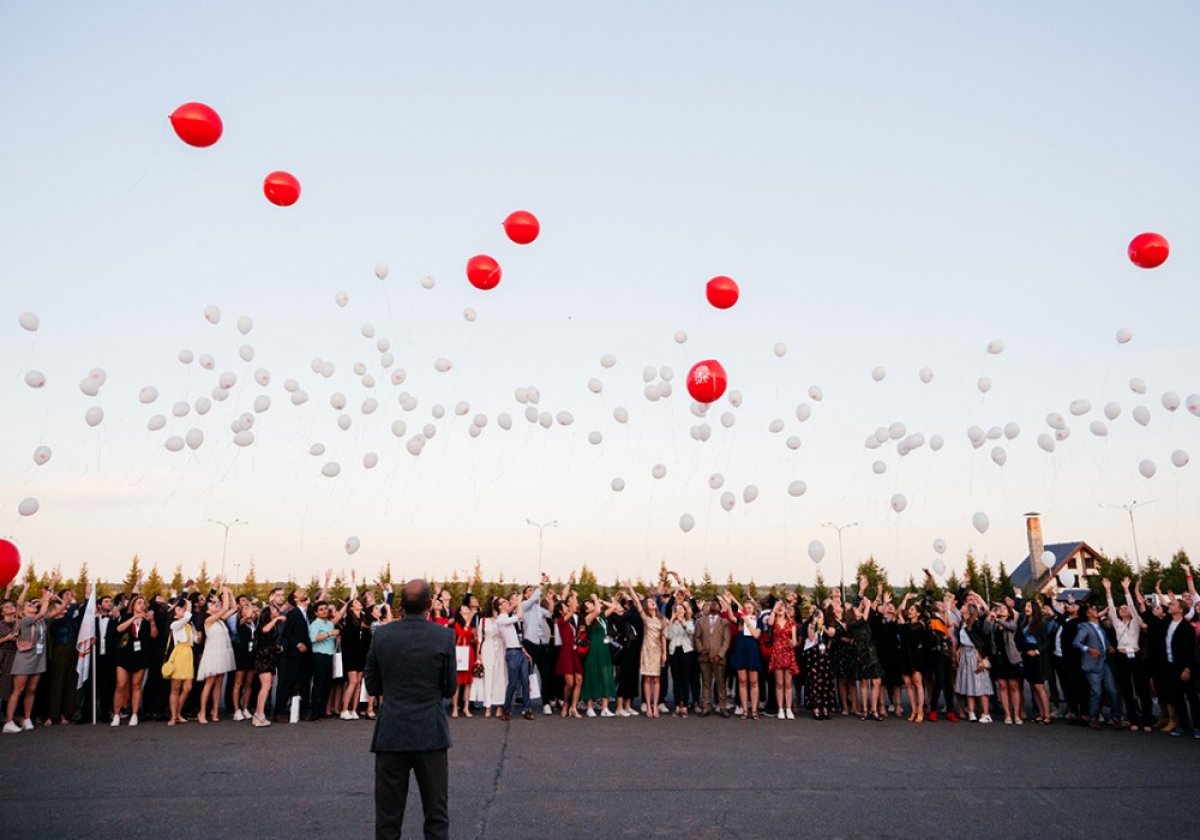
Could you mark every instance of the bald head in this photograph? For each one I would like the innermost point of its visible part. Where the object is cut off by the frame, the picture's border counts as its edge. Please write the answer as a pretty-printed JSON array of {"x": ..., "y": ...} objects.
[{"x": 416, "y": 597}]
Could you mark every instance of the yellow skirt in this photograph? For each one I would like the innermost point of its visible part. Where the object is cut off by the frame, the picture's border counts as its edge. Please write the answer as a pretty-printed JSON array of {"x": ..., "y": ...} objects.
[{"x": 185, "y": 667}]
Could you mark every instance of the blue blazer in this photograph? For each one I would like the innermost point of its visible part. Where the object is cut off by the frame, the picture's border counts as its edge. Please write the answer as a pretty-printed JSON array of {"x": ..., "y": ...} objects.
[{"x": 1086, "y": 639}]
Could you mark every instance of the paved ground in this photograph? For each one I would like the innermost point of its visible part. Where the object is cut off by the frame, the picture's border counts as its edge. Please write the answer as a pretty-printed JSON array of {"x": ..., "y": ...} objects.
[{"x": 611, "y": 778}]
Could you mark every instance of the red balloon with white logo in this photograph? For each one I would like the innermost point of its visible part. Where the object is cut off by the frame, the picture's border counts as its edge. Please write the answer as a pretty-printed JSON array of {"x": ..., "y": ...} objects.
[
  {"x": 722, "y": 292},
  {"x": 522, "y": 227},
  {"x": 281, "y": 188},
  {"x": 706, "y": 381},
  {"x": 1149, "y": 250},
  {"x": 483, "y": 272},
  {"x": 10, "y": 563},
  {"x": 197, "y": 124}
]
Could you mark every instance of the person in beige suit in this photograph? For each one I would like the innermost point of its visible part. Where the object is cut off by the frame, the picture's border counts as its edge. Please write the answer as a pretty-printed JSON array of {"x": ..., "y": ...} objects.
[{"x": 712, "y": 647}]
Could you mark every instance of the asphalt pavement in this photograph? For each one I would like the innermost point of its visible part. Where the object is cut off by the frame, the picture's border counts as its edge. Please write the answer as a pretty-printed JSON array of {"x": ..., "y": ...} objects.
[{"x": 695, "y": 778}]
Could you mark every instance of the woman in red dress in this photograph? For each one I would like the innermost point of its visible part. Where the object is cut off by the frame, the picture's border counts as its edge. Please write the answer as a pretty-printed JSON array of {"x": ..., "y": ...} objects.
[
  {"x": 464, "y": 637},
  {"x": 570, "y": 666},
  {"x": 783, "y": 657}
]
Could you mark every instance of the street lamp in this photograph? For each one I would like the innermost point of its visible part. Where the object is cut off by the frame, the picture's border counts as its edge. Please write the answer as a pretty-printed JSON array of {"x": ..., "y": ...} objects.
[
  {"x": 225, "y": 544},
  {"x": 841, "y": 557},
  {"x": 541, "y": 528},
  {"x": 1129, "y": 509}
]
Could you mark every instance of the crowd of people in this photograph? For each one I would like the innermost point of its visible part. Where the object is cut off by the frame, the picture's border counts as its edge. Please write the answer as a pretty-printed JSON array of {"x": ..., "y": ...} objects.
[{"x": 1126, "y": 660}]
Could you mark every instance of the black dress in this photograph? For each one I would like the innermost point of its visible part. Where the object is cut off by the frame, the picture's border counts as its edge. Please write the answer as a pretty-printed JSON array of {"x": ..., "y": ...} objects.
[
  {"x": 887, "y": 644},
  {"x": 356, "y": 638},
  {"x": 912, "y": 648},
  {"x": 245, "y": 643},
  {"x": 133, "y": 647},
  {"x": 266, "y": 645},
  {"x": 628, "y": 629}
]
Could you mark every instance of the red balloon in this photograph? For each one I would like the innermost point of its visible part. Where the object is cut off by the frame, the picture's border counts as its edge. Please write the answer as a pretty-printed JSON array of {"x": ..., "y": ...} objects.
[
  {"x": 522, "y": 227},
  {"x": 1149, "y": 250},
  {"x": 10, "y": 563},
  {"x": 722, "y": 292},
  {"x": 281, "y": 188},
  {"x": 483, "y": 272},
  {"x": 706, "y": 381},
  {"x": 197, "y": 124}
]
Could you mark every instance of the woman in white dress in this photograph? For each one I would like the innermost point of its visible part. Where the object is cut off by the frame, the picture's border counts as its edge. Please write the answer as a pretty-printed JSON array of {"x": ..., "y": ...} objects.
[
  {"x": 489, "y": 691},
  {"x": 217, "y": 659}
]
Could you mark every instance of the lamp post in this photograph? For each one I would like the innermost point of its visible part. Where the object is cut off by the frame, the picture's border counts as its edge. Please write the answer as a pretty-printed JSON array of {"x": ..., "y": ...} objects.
[
  {"x": 541, "y": 528},
  {"x": 841, "y": 557},
  {"x": 225, "y": 543},
  {"x": 1129, "y": 509}
]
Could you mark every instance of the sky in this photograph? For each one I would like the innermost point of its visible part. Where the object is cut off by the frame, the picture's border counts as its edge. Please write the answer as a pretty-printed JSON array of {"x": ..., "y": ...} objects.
[{"x": 890, "y": 186}]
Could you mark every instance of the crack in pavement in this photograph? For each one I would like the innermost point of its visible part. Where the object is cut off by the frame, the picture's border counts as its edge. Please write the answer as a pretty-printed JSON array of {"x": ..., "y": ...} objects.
[{"x": 481, "y": 829}]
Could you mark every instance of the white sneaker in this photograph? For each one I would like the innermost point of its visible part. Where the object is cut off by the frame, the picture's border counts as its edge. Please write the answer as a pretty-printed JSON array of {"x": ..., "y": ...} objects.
[
  {"x": 547, "y": 710},
  {"x": 633, "y": 712},
  {"x": 781, "y": 715},
  {"x": 354, "y": 716},
  {"x": 985, "y": 718},
  {"x": 1019, "y": 722},
  {"x": 662, "y": 707},
  {"x": 133, "y": 721},
  {"x": 790, "y": 715},
  {"x": 27, "y": 725},
  {"x": 11, "y": 728},
  {"x": 345, "y": 715},
  {"x": 607, "y": 713},
  {"x": 237, "y": 715},
  {"x": 737, "y": 710},
  {"x": 623, "y": 713},
  {"x": 972, "y": 717},
  {"x": 116, "y": 721},
  {"x": 591, "y": 712}
]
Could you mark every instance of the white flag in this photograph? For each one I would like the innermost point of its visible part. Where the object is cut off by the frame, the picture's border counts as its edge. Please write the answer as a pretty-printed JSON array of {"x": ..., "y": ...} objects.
[{"x": 87, "y": 635}]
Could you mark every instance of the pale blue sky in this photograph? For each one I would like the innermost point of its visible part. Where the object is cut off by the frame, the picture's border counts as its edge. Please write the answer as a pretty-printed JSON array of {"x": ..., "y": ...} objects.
[{"x": 890, "y": 184}]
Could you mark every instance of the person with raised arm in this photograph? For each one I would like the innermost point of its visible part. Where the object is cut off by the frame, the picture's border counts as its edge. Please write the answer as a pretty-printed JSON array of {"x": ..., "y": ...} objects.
[
  {"x": 266, "y": 658},
  {"x": 180, "y": 666},
  {"x": 133, "y": 657},
  {"x": 569, "y": 665},
  {"x": 1033, "y": 640},
  {"x": 654, "y": 655},
  {"x": 747, "y": 659},
  {"x": 32, "y": 657},
  {"x": 868, "y": 670},
  {"x": 911, "y": 658},
  {"x": 973, "y": 680},
  {"x": 598, "y": 682},
  {"x": 516, "y": 658},
  {"x": 217, "y": 660},
  {"x": 783, "y": 657},
  {"x": 323, "y": 633},
  {"x": 1128, "y": 661}
]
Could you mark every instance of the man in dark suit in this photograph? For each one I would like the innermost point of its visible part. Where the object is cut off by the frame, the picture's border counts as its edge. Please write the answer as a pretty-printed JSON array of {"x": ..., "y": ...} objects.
[
  {"x": 411, "y": 664},
  {"x": 295, "y": 663}
]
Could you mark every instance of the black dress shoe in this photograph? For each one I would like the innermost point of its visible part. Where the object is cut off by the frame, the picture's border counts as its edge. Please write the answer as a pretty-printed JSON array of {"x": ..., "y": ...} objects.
[{"x": 725, "y": 713}]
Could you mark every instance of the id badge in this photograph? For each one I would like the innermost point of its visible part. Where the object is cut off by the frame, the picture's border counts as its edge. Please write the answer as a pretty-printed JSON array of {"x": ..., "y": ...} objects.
[
  {"x": 39, "y": 649},
  {"x": 250, "y": 648},
  {"x": 137, "y": 647},
  {"x": 1130, "y": 654}
]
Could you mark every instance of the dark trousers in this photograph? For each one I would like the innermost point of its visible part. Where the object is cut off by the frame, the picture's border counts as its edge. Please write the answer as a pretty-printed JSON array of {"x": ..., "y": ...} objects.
[
  {"x": 518, "y": 677},
  {"x": 62, "y": 678},
  {"x": 941, "y": 681},
  {"x": 391, "y": 792},
  {"x": 295, "y": 676},
  {"x": 712, "y": 673},
  {"x": 1068, "y": 681},
  {"x": 681, "y": 675},
  {"x": 322, "y": 678},
  {"x": 1183, "y": 696},
  {"x": 1133, "y": 681},
  {"x": 545, "y": 668},
  {"x": 154, "y": 698},
  {"x": 694, "y": 684}
]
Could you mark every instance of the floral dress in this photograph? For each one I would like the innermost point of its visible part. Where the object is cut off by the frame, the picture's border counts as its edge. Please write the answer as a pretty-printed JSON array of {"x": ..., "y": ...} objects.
[{"x": 783, "y": 655}]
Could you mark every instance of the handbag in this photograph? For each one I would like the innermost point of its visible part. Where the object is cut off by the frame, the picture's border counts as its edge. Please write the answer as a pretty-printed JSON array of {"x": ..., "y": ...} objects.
[
  {"x": 338, "y": 673},
  {"x": 477, "y": 671},
  {"x": 582, "y": 643},
  {"x": 462, "y": 658},
  {"x": 169, "y": 665}
]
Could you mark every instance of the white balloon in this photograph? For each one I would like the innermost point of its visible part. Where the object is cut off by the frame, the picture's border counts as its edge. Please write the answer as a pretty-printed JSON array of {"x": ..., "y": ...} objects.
[
  {"x": 687, "y": 522},
  {"x": 1124, "y": 335},
  {"x": 815, "y": 393},
  {"x": 98, "y": 376},
  {"x": 1170, "y": 400},
  {"x": 407, "y": 401},
  {"x": 1142, "y": 415},
  {"x": 1138, "y": 386},
  {"x": 620, "y": 415},
  {"x": 1099, "y": 428},
  {"x": 797, "y": 488},
  {"x": 999, "y": 456},
  {"x": 299, "y": 398},
  {"x": 203, "y": 405},
  {"x": 1080, "y": 407},
  {"x": 338, "y": 400},
  {"x": 699, "y": 409},
  {"x": 341, "y": 298},
  {"x": 212, "y": 314},
  {"x": 531, "y": 414},
  {"x": 648, "y": 373},
  {"x": 1062, "y": 434},
  {"x": 652, "y": 392},
  {"x": 35, "y": 379},
  {"x": 594, "y": 438},
  {"x": 479, "y": 420},
  {"x": 607, "y": 360},
  {"x": 1046, "y": 442},
  {"x": 474, "y": 431},
  {"x": 244, "y": 438},
  {"x": 564, "y": 418},
  {"x": 1067, "y": 579},
  {"x": 816, "y": 551},
  {"x": 680, "y": 337},
  {"x": 353, "y": 543},
  {"x": 735, "y": 399},
  {"x": 1049, "y": 560},
  {"x": 147, "y": 395},
  {"x": 89, "y": 387},
  {"x": 207, "y": 362},
  {"x": 618, "y": 484},
  {"x": 245, "y": 324},
  {"x": 995, "y": 433},
  {"x": 1193, "y": 404},
  {"x": 879, "y": 373},
  {"x": 925, "y": 375},
  {"x": 186, "y": 356},
  {"x": 936, "y": 443},
  {"x": 595, "y": 386},
  {"x": 780, "y": 349},
  {"x": 1112, "y": 410},
  {"x": 381, "y": 271},
  {"x": 156, "y": 422},
  {"x": 995, "y": 347},
  {"x": 181, "y": 408},
  {"x": 41, "y": 455},
  {"x": 976, "y": 435},
  {"x": 1179, "y": 458},
  {"x": 980, "y": 521},
  {"x": 369, "y": 405},
  {"x": 291, "y": 386},
  {"x": 939, "y": 566},
  {"x": 344, "y": 422},
  {"x": 415, "y": 444},
  {"x": 899, "y": 502},
  {"x": 194, "y": 438},
  {"x": 715, "y": 481},
  {"x": 504, "y": 421},
  {"x": 1011, "y": 430},
  {"x": 750, "y": 493},
  {"x": 246, "y": 352},
  {"x": 879, "y": 468},
  {"x": 1056, "y": 421},
  {"x": 29, "y": 321},
  {"x": 728, "y": 500},
  {"x": 913, "y": 442},
  {"x": 174, "y": 443},
  {"x": 775, "y": 426},
  {"x": 331, "y": 469},
  {"x": 793, "y": 442},
  {"x": 803, "y": 412},
  {"x": 727, "y": 419},
  {"x": 428, "y": 282},
  {"x": 897, "y": 430},
  {"x": 370, "y": 460},
  {"x": 317, "y": 449},
  {"x": 872, "y": 442},
  {"x": 939, "y": 545},
  {"x": 666, "y": 374},
  {"x": 442, "y": 365},
  {"x": 367, "y": 330},
  {"x": 1147, "y": 468},
  {"x": 984, "y": 384},
  {"x": 28, "y": 507},
  {"x": 227, "y": 380},
  {"x": 327, "y": 369},
  {"x": 546, "y": 419}
]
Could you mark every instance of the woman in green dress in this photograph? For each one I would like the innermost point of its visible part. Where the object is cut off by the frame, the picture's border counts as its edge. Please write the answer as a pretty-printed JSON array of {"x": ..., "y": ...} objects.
[{"x": 598, "y": 682}]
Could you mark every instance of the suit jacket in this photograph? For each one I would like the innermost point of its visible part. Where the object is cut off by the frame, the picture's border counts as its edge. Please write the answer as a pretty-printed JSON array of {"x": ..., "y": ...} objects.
[
  {"x": 411, "y": 663},
  {"x": 1183, "y": 645},
  {"x": 295, "y": 631},
  {"x": 1089, "y": 637},
  {"x": 712, "y": 642}
]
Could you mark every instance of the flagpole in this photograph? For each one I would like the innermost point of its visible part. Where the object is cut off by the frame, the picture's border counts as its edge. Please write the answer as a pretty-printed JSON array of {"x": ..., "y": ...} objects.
[{"x": 95, "y": 676}]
